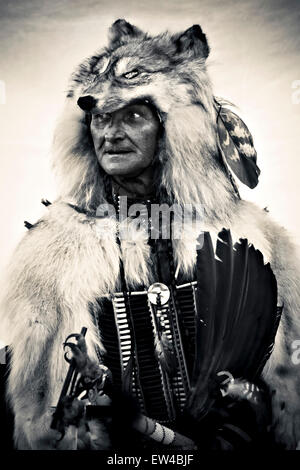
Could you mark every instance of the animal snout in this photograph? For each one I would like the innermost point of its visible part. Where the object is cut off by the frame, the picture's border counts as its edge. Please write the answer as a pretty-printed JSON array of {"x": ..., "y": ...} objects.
[{"x": 86, "y": 103}]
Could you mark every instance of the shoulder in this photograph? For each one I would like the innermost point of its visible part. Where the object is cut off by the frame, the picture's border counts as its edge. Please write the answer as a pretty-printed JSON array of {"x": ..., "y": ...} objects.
[
  {"x": 62, "y": 237},
  {"x": 64, "y": 224},
  {"x": 277, "y": 246},
  {"x": 61, "y": 214},
  {"x": 60, "y": 257},
  {"x": 263, "y": 231},
  {"x": 281, "y": 241}
]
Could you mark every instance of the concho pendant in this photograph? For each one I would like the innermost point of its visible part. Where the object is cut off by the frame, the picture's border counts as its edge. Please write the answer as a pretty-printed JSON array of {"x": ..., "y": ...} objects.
[{"x": 158, "y": 293}]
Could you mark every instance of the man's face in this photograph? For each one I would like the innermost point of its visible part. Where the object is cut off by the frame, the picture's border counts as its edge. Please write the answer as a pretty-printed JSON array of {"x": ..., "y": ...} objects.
[{"x": 125, "y": 141}]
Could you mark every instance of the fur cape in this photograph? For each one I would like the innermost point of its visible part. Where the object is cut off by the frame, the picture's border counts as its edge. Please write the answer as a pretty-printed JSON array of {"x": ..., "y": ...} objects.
[{"x": 68, "y": 259}]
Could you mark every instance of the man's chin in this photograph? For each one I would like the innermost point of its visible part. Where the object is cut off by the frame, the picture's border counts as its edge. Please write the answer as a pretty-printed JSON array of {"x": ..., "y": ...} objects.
[{"x": 123, "y": 170}]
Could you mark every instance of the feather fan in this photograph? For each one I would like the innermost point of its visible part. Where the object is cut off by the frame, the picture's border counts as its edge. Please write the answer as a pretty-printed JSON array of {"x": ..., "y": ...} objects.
[{"x": 237, "y": 317}]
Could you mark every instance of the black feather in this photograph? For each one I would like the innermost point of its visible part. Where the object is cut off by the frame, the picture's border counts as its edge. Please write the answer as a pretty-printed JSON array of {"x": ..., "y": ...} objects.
[
  {"x": 206, "y": 295},
  {"x": 225, "y": 253}
]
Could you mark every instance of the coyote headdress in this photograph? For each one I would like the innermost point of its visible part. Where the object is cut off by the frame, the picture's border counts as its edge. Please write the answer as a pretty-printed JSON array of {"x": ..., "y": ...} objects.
[{"x": 61, "y": 265}]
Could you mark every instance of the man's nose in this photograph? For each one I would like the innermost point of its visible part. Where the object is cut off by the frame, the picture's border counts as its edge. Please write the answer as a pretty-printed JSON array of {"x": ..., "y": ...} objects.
[{"x": 114, "y": 131}]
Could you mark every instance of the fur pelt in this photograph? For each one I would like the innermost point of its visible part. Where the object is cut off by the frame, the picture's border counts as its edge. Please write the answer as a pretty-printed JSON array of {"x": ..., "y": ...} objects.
[{"x": 65, "y": 262}]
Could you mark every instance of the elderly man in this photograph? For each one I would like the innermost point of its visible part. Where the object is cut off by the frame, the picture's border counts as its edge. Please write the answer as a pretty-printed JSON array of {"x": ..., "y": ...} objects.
[
  {"x": 125, "y": 145},
  {"x": 180, "y": 328}
]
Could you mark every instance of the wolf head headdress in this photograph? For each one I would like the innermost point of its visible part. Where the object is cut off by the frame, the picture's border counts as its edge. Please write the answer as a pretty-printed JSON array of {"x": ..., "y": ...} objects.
[{"x": 201, "y": 140}]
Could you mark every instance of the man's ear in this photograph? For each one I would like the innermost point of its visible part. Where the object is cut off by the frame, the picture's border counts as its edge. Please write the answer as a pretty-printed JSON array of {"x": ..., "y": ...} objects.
[
  {"x": 193, "y": 41},
  {"x": 121, "y": 32}
]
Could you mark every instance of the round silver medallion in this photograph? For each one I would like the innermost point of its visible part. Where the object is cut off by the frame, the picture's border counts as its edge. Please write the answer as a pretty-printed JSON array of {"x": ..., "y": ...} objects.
[{"x": 158, "y": 293}]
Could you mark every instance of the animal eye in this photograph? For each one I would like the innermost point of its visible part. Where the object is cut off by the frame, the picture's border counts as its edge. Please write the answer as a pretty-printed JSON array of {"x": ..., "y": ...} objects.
[{"x": 131, "y": 74}]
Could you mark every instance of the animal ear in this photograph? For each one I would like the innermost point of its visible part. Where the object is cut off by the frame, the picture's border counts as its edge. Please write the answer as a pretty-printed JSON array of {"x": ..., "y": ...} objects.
[
  {"x": 121, "y": 32},
  {"x": 193, "y": 40},
  {"x": 236, "y": 146}
]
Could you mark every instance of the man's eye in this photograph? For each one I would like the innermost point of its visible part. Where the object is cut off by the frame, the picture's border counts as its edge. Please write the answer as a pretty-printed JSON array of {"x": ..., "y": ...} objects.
[
  {"x": 133, "y": 116},
  {"x": 101, "y": 118}
]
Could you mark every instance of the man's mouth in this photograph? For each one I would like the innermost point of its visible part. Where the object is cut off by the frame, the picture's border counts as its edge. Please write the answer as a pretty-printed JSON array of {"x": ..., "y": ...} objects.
[{"x": 116, "y": 151}]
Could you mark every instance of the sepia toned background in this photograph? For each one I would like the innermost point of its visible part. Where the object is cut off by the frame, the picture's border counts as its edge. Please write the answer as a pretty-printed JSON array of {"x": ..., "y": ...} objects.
[{"x": 254, "y": 62}]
